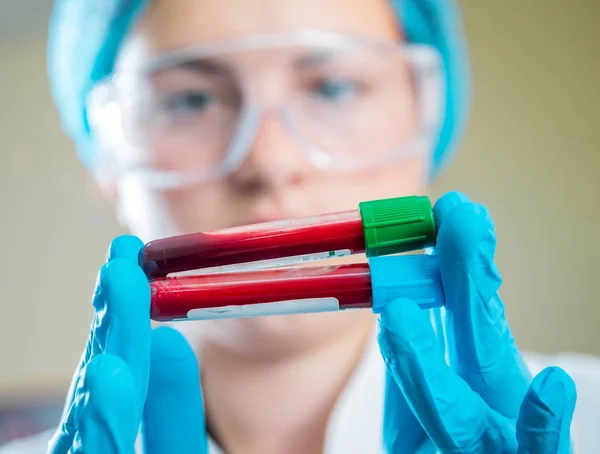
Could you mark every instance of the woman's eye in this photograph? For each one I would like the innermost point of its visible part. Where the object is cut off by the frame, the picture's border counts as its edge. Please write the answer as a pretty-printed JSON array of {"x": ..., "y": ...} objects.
[
  {"x": 189, "y": 102},
  {"x": 336, "y": 90}
]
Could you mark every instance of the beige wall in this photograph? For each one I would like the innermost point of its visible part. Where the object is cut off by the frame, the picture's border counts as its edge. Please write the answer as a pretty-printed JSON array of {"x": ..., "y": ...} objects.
[{"x": 531, "y": 154}]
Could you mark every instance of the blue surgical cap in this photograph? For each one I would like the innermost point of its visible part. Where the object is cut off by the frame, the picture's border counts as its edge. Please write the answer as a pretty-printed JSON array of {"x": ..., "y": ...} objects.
[{"x": 85, "y": 36}]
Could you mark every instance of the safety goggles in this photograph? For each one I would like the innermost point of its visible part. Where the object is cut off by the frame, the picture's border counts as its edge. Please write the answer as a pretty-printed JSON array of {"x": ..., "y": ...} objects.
[{"x": 191, "y": 116}]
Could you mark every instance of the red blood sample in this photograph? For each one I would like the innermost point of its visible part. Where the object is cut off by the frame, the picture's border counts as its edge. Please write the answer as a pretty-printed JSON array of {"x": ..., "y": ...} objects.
[
  {"x": 299, "y": 289},
  {"x": 265, "y": 241}
]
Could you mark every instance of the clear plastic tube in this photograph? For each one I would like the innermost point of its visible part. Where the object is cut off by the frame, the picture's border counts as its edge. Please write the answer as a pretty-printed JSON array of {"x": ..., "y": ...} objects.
[
  {"x": 379, "y": 227},
  {"x": 298, "y": 289},
  {"x": 258, "y": 246}
]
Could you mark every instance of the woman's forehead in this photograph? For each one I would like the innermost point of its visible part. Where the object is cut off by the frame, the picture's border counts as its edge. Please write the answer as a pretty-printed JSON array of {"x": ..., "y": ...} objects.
[{"x": 170, "y": 25}]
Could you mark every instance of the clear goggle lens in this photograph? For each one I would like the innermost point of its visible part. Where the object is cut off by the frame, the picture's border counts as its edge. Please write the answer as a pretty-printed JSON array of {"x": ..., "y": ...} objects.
[{"x": 193, "y": 115}]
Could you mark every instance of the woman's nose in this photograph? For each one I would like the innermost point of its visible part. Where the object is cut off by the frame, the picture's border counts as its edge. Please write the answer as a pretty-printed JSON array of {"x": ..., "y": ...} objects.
[{"x": 274, "y": 159}]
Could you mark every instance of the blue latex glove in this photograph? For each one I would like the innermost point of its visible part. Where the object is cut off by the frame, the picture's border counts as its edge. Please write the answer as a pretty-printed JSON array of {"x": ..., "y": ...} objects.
[
  {"x": 485, "y": 401},
  {"x": 131, "y": 375}
]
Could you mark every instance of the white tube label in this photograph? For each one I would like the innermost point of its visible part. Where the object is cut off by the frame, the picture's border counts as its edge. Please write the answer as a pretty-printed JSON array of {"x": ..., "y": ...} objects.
[{"x": 302, "y": 306}]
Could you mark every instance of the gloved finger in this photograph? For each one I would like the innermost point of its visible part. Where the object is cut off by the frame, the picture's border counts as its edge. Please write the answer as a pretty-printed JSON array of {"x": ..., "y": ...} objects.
[
  {"x": 120, "y": 325},
  {"x": 481, "y": 346},
  {"x": 453, "y": 416},
  {"x": 445, "y": 204},
  {"x": 125, "y": 247},
  {"x": 402, "y": 432},
  {"x": 174, "y": 411},
  {"x": 122, "y": 321},
  {"x": 544, "y": 422},
  {"x": 106, "y": 408}
]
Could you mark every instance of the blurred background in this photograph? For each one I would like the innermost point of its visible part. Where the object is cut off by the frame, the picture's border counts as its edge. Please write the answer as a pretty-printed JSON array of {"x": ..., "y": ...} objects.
[{"x": 530, "y": 154}]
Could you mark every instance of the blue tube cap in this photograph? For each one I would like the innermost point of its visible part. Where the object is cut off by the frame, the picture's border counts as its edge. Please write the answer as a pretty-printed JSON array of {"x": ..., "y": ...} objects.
[{"x": 415, "y": 277}]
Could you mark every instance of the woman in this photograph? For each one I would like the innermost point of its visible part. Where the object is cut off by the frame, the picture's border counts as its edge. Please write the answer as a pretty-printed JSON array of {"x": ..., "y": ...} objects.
[{"x": 202, "y": 114}]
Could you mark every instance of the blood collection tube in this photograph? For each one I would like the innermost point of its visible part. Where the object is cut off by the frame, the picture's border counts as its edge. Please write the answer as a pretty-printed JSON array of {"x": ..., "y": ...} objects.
[
  {"x": 295, "y": 290},
  {"x": 380, "y": 227}
]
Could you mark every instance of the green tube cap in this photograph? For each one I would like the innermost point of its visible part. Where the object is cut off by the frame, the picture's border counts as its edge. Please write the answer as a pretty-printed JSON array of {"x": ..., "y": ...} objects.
[{"x": 393, "y": 226}]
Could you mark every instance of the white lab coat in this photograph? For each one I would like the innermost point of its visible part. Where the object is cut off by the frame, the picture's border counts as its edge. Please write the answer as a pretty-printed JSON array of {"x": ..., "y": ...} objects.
[{"x": 355, "y": 426}]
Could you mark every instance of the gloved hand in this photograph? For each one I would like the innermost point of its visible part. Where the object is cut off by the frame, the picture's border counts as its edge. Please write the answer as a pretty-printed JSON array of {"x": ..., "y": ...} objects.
[
  {"x": 485, "y": 401},
  {"x": 131, "y": 375}
]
